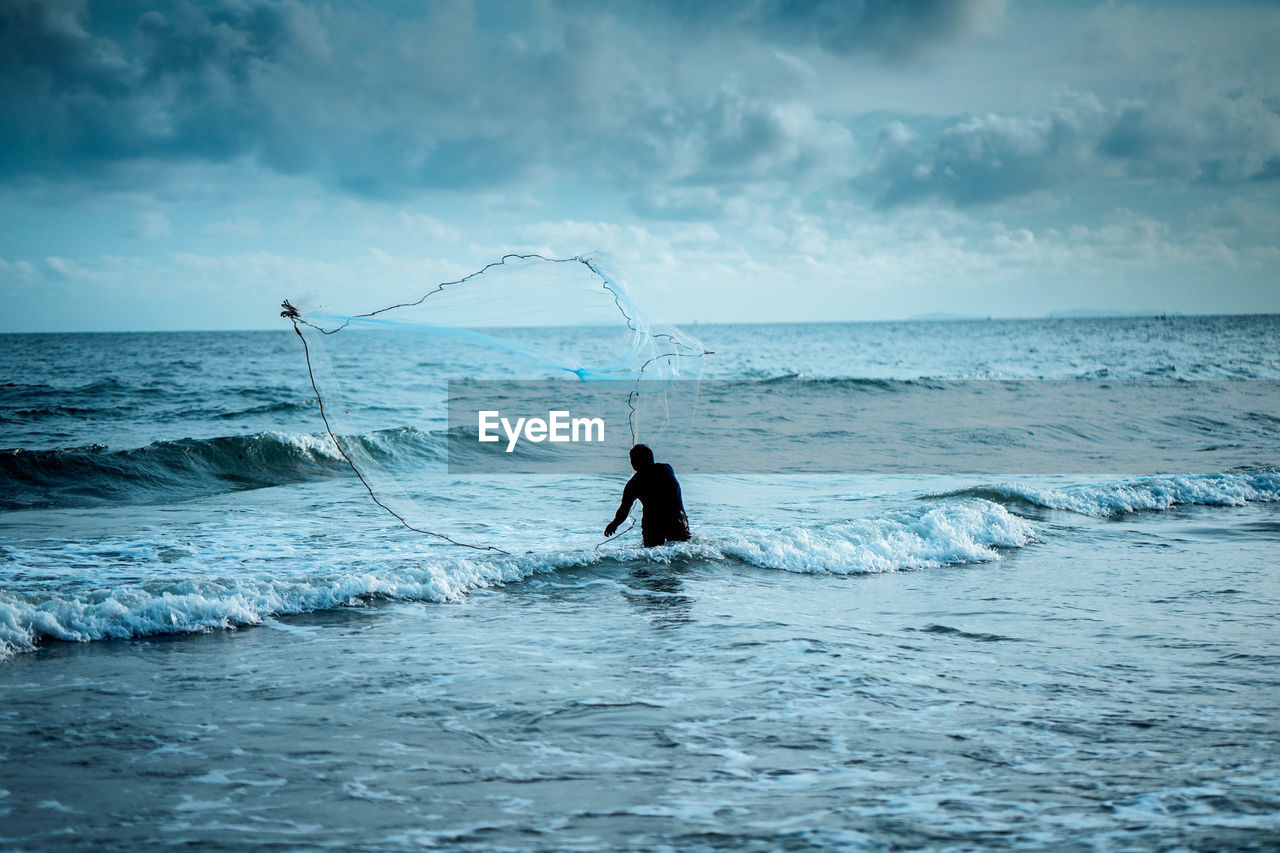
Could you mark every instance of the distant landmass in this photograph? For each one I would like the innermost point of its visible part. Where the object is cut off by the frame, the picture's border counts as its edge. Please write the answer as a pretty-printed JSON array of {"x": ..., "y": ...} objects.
[
  {"x": 1079, "y": 313},
  {"x": 942, "y": 315},
  {"x": 1071, "y": 314}
]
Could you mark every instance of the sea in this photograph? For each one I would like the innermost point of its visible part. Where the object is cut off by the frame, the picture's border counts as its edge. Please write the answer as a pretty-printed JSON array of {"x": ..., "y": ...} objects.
[{"x": 212, "y": 637}]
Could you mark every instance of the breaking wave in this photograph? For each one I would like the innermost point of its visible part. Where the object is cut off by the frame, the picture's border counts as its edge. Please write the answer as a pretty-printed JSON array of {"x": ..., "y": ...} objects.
[
  {"x": 975, "y": 525},
  {"x": 1105, "y": 500},
  {"x": 963, "y": 531},
  {"x": 182, "y": 469}
]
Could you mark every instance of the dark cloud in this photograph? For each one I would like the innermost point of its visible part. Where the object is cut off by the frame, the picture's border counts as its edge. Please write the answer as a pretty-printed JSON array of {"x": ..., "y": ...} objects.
[
  {"x": 730, "y": 140},
  {"x": 375, "y": 106},
  {"x": 75, "y": 102},
  {"x": 1229, "y": 139},
  {"x": 366, "y": 103},
  {"x": 58, "y": 84},
  {"x": 982, "y": 159},
  {"x": 187, "y": 84},
  {"x": 460, "y": 97},
  {"x": 896, "y": 29}
]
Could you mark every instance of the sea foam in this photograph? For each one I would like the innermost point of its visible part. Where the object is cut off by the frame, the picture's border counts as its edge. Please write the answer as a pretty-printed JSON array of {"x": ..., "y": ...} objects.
[
  {"x": 969, "y": 531},
  {"x": 1104, "y": 500},
  {"x": 204, "y": 604},
  {"x": 960, "y": 531}
]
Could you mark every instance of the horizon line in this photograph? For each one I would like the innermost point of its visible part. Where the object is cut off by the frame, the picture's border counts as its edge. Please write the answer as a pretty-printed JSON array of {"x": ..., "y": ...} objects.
[{"x": 939, "y": 317}]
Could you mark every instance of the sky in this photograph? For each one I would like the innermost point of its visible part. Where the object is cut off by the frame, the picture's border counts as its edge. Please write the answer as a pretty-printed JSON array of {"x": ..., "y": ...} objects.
[{"x": 182, "y": 165}]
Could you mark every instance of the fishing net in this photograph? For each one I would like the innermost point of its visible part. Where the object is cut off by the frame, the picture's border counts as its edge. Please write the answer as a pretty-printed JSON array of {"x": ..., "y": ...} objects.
[{"x": 381, "y": 376}]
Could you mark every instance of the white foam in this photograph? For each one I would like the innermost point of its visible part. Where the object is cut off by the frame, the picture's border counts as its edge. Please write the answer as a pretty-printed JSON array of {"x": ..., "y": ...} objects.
[
  {"x": 968, "y": 531},
  {"x": 199, "y": 605},
  {"x": 1151, "y": 493},
  {"x": 314, "y": 446},
  {"x": 959, "y": 531}
]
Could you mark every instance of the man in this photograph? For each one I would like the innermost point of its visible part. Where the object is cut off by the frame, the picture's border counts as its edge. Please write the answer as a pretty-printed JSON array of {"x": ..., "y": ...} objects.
[{"x": 655, "y": 486}]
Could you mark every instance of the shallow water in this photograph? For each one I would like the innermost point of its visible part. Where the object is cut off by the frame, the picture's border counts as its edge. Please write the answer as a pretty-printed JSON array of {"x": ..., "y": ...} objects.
[
  {"x": 837, "y": 662},
  {"x": 1116, "y": 695}
]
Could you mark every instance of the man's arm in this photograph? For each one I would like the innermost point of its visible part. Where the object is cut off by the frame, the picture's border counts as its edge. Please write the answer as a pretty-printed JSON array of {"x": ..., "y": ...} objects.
[{"x": 628, "y": 498}]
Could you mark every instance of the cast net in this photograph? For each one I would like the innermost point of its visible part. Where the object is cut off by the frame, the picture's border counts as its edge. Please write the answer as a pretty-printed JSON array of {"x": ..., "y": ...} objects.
[{"x": 381, "y": 376}]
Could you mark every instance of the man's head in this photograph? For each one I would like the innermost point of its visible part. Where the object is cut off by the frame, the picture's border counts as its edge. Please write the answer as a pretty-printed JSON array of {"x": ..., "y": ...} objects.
[{"x": 641, "y": 456}]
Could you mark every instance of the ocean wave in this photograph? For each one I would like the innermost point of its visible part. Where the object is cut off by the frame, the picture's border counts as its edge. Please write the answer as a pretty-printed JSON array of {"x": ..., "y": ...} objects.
[
  {"x": 205, "y": 604},
  {"x": 964, "y": 531},
  {"x": 965, "y": 527},
  {"x": 61, "y": 411},
  {"x": 97, "y": 386},
  {"x": 175, "y": 470},
  {"x": 1105, "y": 500},
  {"x": 967, "y": 531},
  {"x": 272, "y": 408}
]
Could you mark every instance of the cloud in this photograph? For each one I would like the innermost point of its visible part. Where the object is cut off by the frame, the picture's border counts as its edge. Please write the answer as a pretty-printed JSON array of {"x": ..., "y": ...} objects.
[
  {"x": 193, "y": 83},
  {"x": 698, "y": 151},
  {"x": 457, "y": 97},
  {"x": 678, "y": 203},
  {"x": 694, "y": 104},
  {"x": 894, "y": 29},
  {"x": 237, "y": 227},
  {"x": 900, "y": 29},
  {"x": 68, "y": 269},
  {"x": 424, "y": 226},
  {"x": 58, "y": 84},
  {"x": 706, "y": 144},
  {"x": 768, "y": 266},
  {"x": 18, "y": 271},
  {"x": 1227, "y": 139},
  {"x": 151, "y": 225},
  {"x": 1238, "y": 216}
]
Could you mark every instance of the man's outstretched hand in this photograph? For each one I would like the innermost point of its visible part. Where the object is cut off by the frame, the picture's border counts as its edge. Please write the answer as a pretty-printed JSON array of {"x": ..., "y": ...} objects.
[{"x": 608, "y": 531}]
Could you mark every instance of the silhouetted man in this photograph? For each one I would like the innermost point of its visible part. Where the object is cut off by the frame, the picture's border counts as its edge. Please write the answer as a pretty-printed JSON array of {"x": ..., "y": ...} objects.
[{"x": 655, "y": 486}]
